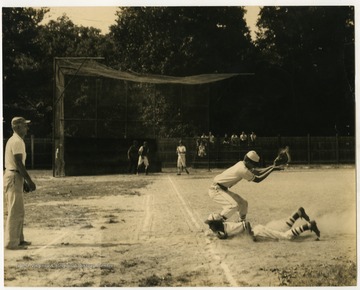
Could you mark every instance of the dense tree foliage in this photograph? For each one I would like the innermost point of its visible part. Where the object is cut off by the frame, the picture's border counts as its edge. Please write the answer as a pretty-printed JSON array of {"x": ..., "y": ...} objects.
[
  {"x": 302, "y": 60},
  {"x": 180, "y": 40},
  {"x": 309, "y": 53},
  {"x": 62, "y": 38},
  {"x": 22, "y": 65}
]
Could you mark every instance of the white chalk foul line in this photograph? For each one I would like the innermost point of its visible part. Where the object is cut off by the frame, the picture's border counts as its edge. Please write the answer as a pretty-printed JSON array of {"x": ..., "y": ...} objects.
[
  {"x": 215, "y": 255},
  {"x": 187, "y": 209},
  {"x": 146, "y": 223}
]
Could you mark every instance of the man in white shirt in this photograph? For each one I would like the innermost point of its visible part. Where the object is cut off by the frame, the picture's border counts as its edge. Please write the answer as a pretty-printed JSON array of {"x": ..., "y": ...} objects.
[
  {"x": 14, "y": 177},
  {"x": 247, "y": 169},
  {"x": 181, "y": 161}
]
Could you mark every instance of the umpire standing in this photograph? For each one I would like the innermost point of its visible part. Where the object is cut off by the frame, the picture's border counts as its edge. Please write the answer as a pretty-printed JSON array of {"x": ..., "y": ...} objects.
[{"x": 14, "y": 177}]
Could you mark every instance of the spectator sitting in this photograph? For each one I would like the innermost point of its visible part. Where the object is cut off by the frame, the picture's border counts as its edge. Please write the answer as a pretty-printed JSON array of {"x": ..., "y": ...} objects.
[
  {"x": 234, "y": 139},
  {"x": 226, "y": 139},
  {"x": 211, "y": 138},
  {"x": 243, "y": 138},
  {"x": 202, "y": 149},
  {"x": 204, "y": 138},
  {"x": 252, "y": 139}
]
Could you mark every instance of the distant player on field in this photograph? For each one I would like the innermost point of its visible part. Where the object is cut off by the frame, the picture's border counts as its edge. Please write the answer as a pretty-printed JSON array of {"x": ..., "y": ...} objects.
[
  {"x": 181, "y": 160},
  {"x": 143, "y": 157},
  {"x": 275, "y": 230},
  {"x": 247, "y": 169}
]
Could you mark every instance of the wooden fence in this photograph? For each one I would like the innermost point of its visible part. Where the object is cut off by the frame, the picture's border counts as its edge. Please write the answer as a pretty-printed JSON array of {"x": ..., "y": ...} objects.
[{"x": 304, "y": 150}]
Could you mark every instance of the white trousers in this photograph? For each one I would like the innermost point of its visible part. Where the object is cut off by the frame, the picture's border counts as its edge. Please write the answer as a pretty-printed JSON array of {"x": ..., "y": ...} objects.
[
  {"x": 274, "y": 230},
  {"x": 13, "y": 190},
  {"x": 230, "y": 201},
  {"x": 144, "y": 160},
  {"x": 265, "y": 232},
  {"x": 181, "y": 161}
]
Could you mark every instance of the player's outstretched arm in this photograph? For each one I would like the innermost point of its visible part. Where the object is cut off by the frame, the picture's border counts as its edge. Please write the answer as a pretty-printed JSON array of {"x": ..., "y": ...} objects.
[
  {"x": 260, "y": 177},
  {"x": 260, "y": 171}
]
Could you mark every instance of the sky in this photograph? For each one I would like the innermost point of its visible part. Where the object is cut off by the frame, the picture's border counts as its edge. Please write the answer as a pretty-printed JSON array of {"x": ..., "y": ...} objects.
[
  {"x": 98, "y": 17},
  {"x": 102, "y": 17}
]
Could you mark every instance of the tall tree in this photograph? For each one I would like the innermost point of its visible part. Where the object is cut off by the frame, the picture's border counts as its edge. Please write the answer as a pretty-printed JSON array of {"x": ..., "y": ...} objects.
[
  {"x": 21, "y": 61},
  {"x": 62, "y": 38},
  {"x": 311, "y": 51},
  {"x": 180, "y": 40}
]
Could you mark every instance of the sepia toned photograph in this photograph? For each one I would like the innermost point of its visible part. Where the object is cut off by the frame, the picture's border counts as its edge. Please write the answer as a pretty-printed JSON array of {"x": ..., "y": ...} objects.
[{"x": 162, "y": 145}]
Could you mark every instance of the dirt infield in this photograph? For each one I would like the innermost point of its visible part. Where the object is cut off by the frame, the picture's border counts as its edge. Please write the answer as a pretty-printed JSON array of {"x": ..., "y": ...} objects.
[{"x": 127, "y": 231}]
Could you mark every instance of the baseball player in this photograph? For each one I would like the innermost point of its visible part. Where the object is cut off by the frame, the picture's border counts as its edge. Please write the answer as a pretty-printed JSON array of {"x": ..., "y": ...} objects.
[
  {"x": 132, "y": 155},
  {"x": 181, "y": 161},
  {"x": 275, "y": 230},
  {"x": 247, "y": 169},
  {"x": 143, "y": 157}
]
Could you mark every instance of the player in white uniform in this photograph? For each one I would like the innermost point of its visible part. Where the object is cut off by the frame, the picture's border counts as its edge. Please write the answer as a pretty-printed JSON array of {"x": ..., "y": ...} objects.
[
  {"x": 143, "y": 157},
  {"x": 274, "y": 230},
  {"x": 247, "y": 169},
  {"x": 181, "y": 161}
]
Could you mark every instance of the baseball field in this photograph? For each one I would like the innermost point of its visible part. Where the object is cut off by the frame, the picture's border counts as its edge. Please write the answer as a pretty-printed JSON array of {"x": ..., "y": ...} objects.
[{"x": 130, "y": 231}]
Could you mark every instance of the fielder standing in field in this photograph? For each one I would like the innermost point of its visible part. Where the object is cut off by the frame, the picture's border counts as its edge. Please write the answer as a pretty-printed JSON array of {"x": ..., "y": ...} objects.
[
  {"x": 14, "y": 177},
  {"x": 181, "y": 160},
  {"x": 247, "y": 169},
  {"x": 143, "y": 157}
]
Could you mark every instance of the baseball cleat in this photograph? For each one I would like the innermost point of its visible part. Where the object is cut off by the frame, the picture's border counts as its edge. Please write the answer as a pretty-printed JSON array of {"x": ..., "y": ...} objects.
[
  {"x": 314, "y": 228},
  {"x": 303, "y": 214}
]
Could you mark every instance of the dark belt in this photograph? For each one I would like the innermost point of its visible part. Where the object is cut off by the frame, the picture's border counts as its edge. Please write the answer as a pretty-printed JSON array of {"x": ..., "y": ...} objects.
[
  {"x": 14, "y": 170},
  {"x": 222, "y": 186}
]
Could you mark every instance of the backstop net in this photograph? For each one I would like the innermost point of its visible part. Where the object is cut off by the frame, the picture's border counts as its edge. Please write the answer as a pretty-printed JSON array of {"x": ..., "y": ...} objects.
[{"x": 98, "y": 111}]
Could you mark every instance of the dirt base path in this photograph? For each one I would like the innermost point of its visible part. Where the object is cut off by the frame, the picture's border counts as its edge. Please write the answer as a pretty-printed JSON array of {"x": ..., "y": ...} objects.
[{"x": 153, "y": 234}]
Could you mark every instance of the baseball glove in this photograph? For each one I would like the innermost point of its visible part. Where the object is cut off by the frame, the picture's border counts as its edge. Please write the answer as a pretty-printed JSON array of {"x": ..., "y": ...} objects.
[
  {"x": 283, "y": 157},
  {"x": 26, "y": 187}
]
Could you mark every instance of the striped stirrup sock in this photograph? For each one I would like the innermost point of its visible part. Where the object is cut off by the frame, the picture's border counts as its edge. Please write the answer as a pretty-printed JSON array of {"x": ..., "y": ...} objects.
[
  {"x": 292, "y": 219},
  {"x": 297, "y": 231}
]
